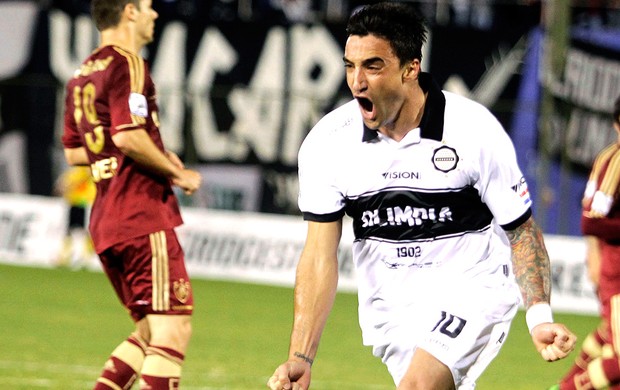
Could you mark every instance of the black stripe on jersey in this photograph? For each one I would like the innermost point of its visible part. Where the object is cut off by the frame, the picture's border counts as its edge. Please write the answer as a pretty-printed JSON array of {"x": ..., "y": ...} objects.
[
  {"x": 331, "y": 217},
  {"x": 519, "y": 221},
  {"x": 408, "y": 214}
]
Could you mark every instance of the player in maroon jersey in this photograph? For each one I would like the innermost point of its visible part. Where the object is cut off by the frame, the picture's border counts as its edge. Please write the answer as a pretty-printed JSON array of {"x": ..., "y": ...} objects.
[
  {"x": 111, "y": 124},
  {"x": 598, "y": 363}
]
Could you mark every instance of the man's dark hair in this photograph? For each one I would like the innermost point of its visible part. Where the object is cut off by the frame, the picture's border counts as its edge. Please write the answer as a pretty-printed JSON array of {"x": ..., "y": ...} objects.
[
  {"x": 107, "y": 13},
  {"x": 398, "y": 23},
  {"x": 616, "y": 112}
]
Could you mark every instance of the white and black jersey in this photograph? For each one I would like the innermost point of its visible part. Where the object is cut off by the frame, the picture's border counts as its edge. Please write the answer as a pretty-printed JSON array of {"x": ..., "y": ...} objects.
[{"x": 426, "y": 210}]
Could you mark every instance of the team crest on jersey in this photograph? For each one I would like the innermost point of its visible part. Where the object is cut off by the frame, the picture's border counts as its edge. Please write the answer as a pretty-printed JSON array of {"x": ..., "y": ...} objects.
[
  {"x": 181, "y": 290},
  {"x": 445, "y": 158},
  {"x": 138, "y": 105}
]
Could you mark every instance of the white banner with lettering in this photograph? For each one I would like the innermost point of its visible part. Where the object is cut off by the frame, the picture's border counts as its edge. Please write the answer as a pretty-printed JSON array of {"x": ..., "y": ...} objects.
[
  {"x": 255, "y": 247},
  {"x": 250, "y": 247},
  {"x": 32, "y": 229}
]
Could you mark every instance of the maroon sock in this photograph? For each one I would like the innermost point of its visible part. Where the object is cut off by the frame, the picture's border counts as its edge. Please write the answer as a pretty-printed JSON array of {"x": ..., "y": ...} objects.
[
  {"x": 611, "y": 368},
  {"x": 589, "y": 351},
  {"x": 115, "y": 374},
  {"x": 607, "y": 373},
  {"x": 158, "y": 383},
  {"x": 118, "y": 371}
]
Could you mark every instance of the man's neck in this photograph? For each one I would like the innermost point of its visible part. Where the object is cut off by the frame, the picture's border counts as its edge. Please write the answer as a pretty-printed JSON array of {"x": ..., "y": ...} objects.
[
  {"x": 411, "y": 117},
  {"x": 122, "y": 37}
]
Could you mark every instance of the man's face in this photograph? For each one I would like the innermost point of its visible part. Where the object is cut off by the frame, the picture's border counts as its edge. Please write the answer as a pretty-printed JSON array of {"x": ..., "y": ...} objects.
[
  {"x": 146, "y": 21},
  {"x": 375, "y": 78}
]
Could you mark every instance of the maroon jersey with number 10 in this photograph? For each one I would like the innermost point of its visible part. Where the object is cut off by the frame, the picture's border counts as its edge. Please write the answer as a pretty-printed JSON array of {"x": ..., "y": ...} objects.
[{"x": 112, "y": 92}]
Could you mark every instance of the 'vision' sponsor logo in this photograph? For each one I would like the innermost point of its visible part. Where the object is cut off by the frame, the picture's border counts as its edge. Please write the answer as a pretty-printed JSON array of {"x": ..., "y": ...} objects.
[{"x": 401, "y": 175}]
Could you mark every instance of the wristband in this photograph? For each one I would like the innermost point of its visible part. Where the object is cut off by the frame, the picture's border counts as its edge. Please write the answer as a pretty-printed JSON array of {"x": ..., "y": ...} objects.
[{"x": 537, "y": 314}]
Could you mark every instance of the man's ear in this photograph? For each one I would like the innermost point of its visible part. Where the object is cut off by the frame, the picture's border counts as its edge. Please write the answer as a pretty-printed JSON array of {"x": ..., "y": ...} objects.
[
  {"x": 412, "y": 70},
  {"x": 130, "y": 11}
]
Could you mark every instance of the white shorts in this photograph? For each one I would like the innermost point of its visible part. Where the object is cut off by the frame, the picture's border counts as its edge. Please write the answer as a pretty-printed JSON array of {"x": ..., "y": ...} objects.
[{"x": 463, "y": 331}]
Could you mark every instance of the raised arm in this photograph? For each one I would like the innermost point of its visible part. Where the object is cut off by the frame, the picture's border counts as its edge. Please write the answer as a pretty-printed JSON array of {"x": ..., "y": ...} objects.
[{"x": 315, "y": 290}]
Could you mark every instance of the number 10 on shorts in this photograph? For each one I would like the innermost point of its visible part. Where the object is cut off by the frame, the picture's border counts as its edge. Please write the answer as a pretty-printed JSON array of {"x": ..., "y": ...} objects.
[{"x": 450, "y": 325}]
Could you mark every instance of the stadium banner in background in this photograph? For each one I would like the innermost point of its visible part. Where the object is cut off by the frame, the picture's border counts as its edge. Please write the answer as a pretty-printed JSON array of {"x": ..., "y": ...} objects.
[
  {"x": 580, "y": 125},
  {"x": 242, "y": 93},
  {"x": 255, "y": 247},
  {"x": 32, "y": 229},
  {"x": 249, "y": 247},
  {"x": 228, "y": 187},
  {"x": 583, "y": 100}
]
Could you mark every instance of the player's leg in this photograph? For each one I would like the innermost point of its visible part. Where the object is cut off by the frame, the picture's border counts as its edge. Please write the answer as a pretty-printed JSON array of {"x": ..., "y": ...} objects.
[
  {"x": 591, "y": 348},
  {"x": 426, "y": 373},
  {"x": 124, "y": 364},
  {"x": 69, "y": 255},
  {"x": 447, "y": 342},
  {"x": 122, "y": 367},
  {"x": 170, "y": 335},
  {"x": 168, "y": 315},
  {"x": 602, "y": 372},
  {"x": 447, "y": 357}
]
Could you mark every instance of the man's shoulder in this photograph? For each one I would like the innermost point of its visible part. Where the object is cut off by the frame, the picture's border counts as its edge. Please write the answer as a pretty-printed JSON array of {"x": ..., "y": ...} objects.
[
  {"x": 107, "y": 60},
  {"x": 340, "y": 119},
  {"x": 337, "y": 129},
  {"x": 457, "y": 102},
  {"x": 117, "y": 52},
  {"x": 469, "y": 118}
]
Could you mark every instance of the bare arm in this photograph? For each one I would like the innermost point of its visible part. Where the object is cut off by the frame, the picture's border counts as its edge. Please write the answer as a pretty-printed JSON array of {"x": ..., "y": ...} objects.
[
  {"x": 315, "y": 291},
  {"x": 593, "y": 259},
  {"x": 315, "y": 287},
  {"x": 533, "y": 272},
  {"x": 76, "y": 156},
  {"x": 137, "y": 145},
  {"x": 531, "y": 263}
]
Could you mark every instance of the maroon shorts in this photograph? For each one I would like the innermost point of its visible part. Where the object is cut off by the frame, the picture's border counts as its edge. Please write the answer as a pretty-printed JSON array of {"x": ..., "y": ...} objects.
[{"x": 149, "y": 276}]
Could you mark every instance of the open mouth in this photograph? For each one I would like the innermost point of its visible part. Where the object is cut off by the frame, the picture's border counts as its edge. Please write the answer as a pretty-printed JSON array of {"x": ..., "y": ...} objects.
[{"x": 365, "y": 104}]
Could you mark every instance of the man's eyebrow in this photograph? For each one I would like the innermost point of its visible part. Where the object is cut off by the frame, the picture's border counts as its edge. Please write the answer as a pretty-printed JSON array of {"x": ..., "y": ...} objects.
[
  {"x": 367, "y": 61},
  {"x": 372, "y": 60}
]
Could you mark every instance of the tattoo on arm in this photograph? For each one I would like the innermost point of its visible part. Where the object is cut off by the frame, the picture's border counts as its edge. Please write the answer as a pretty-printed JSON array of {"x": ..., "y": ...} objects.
[
  {"x": 304, "y": 357},
  {"x": 530, "y": 263}
]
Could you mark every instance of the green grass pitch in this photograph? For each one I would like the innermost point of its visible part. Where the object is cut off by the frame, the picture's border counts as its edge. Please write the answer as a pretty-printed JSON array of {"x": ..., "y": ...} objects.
[{"x": 58, "y": 326}]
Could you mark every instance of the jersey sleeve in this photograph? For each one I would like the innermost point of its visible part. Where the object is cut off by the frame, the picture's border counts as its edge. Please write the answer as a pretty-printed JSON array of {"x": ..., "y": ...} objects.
[
  {"x": 127, "y": 102},
  {"x": 502, "y": 186},
  {"x": 319, "y": 198}
]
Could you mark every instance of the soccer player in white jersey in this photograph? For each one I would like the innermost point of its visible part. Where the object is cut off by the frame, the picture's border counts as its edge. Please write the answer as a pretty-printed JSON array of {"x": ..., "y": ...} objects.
[{"x": 444, "y": 234}]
